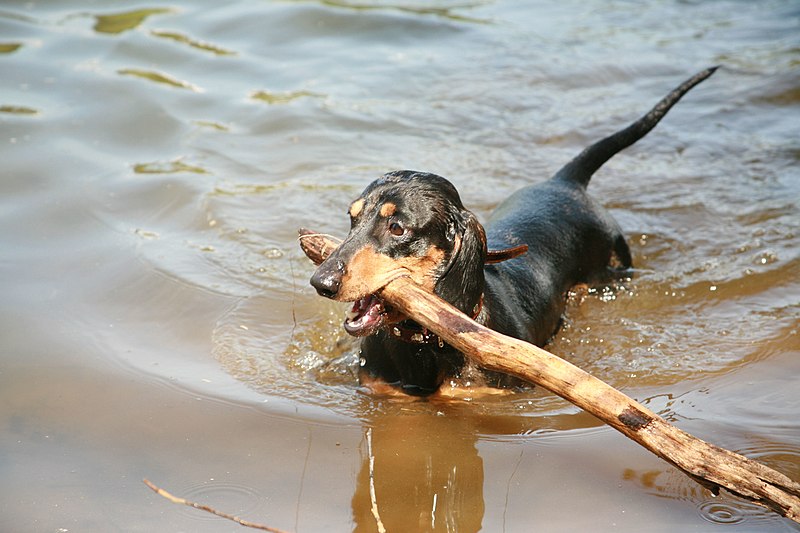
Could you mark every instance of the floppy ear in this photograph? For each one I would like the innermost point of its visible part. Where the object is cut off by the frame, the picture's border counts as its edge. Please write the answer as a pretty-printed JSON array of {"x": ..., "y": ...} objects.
[{"x": 462, "y": 281}]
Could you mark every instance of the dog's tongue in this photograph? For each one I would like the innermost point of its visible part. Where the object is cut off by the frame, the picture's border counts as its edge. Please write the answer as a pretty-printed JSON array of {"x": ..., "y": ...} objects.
[{"x": 365, "y": 318}]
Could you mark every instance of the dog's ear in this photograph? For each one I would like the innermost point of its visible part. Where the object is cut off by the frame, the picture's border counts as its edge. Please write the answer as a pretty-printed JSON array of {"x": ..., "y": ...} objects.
[{"x": 462, "y": 280}]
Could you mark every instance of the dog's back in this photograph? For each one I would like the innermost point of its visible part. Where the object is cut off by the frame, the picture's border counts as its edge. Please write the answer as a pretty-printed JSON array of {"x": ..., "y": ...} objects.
[{"x": 571, "y": 239}]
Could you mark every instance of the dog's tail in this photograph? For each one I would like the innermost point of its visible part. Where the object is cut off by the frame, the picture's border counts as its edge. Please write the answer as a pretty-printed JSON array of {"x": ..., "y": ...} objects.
[{"x": 580, "y": 169}]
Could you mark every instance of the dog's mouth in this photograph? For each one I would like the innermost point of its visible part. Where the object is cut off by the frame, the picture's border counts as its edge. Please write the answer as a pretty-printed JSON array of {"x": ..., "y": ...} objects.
[{"x": 368, "y": 315}]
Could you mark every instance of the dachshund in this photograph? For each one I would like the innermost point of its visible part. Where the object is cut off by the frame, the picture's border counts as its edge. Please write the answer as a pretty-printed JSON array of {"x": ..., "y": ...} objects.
[{"x": 511, "y": 275}]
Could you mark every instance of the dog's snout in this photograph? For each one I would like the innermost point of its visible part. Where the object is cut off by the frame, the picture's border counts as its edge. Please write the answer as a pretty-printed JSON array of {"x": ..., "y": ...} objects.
[{"x": 328, "y": 279}]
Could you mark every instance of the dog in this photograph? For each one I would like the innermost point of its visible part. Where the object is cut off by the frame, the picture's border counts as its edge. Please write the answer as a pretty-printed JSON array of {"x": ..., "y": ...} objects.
[{"x": 511, "y": 275}]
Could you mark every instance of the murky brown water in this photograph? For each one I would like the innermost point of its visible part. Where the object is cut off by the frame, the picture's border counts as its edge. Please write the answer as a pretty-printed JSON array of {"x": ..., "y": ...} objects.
[{"x": 156, "y": 318}]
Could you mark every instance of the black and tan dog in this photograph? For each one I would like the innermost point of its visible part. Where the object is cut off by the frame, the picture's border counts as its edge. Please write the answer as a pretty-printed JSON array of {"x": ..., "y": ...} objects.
[{"x": 550, "y": 236}]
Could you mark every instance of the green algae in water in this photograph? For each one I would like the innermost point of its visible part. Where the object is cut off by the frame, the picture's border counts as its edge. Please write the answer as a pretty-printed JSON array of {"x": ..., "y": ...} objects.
[{"x": 122, "y": 22}]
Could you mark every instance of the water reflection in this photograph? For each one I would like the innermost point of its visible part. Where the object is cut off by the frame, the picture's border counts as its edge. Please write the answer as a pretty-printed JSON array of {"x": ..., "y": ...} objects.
[
  {"x": 194, "y": 43},
  {"x": 423, "y": 466},
  {"x": 18, "y": 110},
  {"x": 274, "y": 98},
  {"x": 121, "y": 22},
  {"x": 168, "y": 167},
  {"x": 441, "y": 10},
  {"x": 424, "y": 474},
  {"x": 159, "y": 77},
  {"x": 8, "y": 48}
]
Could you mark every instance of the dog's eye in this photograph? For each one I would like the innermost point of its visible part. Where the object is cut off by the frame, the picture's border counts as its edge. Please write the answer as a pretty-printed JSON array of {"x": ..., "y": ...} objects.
[{"x": 396, "y": 229}]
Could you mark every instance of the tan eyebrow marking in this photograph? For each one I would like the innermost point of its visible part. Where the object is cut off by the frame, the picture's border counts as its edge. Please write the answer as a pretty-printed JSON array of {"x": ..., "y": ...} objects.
[
  {"x": 388, "y": 209},
  {"x": 356, "y": 207}
]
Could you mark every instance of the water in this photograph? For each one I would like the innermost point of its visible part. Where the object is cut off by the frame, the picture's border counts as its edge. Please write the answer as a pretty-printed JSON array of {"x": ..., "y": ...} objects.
[{"x": 157, "y": 321}]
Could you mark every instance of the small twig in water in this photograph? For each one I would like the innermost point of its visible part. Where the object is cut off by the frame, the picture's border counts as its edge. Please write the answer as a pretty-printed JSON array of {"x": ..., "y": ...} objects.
[{"x": 206, "y": 508}]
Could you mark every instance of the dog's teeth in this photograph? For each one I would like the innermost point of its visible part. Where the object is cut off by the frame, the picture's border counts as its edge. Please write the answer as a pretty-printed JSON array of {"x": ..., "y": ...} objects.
[{"x": 351, "y": 314}]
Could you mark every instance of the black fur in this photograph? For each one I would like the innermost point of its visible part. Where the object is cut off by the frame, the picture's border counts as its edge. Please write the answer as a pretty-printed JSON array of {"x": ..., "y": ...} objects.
[{"x": 571, "y": 239}]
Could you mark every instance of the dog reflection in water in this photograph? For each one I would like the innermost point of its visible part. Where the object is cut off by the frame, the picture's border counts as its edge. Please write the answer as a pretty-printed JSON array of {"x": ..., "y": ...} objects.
[{"x": 420, "y": 473}]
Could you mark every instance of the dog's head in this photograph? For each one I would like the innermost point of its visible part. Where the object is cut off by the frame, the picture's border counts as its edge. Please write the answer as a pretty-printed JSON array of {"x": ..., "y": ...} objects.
[{"x": 404, "y": 224}]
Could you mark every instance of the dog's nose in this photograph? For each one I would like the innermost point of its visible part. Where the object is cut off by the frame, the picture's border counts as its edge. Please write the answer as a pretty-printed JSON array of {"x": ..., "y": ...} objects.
[{"x": 328, "y": 278}]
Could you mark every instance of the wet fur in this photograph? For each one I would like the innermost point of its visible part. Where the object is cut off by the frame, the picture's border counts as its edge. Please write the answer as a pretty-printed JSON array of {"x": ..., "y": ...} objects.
[{"x": 571, "y": 240}]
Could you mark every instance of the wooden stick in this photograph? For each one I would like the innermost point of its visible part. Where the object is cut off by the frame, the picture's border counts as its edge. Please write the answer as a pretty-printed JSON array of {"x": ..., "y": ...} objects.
[
  {"x": 206, "y": 508},
  {"x": 711, "y": 466}
]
